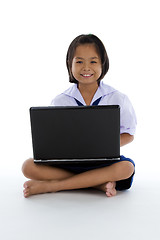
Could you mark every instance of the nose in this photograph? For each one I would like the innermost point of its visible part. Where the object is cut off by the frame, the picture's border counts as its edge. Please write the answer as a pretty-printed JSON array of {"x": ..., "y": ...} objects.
[{"x": 86, "y": 67}]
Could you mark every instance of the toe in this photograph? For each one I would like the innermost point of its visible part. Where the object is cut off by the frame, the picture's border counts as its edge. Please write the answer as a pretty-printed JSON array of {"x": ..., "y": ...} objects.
[
  {"x": 108, "y": 194},
  {"x": 25, "y": 185},
  {"x": 111, "y": 193},
  {"x": 26, "y": 193},
  {"x": 110, "y": 189}
]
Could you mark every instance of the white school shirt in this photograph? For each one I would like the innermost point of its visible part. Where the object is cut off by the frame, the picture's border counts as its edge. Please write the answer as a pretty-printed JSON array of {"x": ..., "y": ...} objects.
[{"x": 109, "y": 96}]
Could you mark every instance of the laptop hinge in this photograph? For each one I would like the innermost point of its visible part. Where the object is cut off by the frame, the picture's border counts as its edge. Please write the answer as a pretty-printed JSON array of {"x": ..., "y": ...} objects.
[{"x": 76, "y": 160}]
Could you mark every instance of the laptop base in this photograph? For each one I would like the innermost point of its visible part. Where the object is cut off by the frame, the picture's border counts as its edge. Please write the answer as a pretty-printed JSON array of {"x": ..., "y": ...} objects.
[{"x": 74, "y": 161}]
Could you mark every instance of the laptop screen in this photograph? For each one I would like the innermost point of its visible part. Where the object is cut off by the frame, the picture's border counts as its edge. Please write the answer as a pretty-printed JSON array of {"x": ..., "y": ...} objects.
[{"x": 87, "y": 132}]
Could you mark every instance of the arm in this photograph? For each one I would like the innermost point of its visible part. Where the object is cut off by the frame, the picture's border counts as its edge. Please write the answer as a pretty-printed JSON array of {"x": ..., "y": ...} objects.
[{"x": 125, "y": 138}]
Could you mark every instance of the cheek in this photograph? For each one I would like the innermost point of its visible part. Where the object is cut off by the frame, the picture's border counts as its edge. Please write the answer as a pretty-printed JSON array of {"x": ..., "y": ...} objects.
[
  {"x": 99, "y": 71},
  {"x": 74, "y": 67},
  {"x": 73, "y": 70}
]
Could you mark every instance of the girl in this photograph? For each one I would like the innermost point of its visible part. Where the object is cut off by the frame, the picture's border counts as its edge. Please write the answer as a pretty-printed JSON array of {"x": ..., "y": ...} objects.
[{"x": 87, "y": 64}]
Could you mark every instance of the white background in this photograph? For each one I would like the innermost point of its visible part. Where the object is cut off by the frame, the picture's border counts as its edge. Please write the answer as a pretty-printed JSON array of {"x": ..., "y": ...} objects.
[{"x": 34, "y": 38}]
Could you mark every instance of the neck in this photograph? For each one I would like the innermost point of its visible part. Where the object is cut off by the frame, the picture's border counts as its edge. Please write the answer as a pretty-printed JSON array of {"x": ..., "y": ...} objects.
[{"x": 87, "y": 92}]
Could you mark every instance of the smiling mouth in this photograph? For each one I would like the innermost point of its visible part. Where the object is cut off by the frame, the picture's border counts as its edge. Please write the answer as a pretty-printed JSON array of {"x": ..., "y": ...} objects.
[{"x": 86, "y": 75}]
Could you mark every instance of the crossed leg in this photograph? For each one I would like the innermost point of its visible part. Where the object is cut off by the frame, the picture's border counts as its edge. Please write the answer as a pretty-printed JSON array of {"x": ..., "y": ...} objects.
[{"x": 51, "y": 179}]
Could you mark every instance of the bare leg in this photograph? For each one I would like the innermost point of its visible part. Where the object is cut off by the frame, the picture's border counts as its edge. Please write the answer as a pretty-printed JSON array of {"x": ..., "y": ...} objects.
[
  {"x": 42, "y": 172},
  {"x": 115, "y": 172}
]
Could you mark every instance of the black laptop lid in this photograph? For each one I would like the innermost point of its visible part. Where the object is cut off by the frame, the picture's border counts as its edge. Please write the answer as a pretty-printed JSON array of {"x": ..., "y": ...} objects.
[{"x": 75, "y": 132}]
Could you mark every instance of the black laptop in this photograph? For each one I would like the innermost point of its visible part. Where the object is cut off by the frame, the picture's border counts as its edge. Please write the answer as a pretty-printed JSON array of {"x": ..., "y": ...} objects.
[{"x": 64, "y": 135}]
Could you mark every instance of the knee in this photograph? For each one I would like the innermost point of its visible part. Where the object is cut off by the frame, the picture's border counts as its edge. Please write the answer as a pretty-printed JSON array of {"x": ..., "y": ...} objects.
[
  {"x": 27, "y": 167},
  {"x": 127, "y": 168}
]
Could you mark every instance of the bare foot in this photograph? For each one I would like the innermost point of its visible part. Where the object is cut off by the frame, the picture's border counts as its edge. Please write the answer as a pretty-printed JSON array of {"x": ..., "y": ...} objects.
[
  {"x": 32, "y": 187},
  {"x": 111, "y": 189},
  {"x": 108, "y": 188}
]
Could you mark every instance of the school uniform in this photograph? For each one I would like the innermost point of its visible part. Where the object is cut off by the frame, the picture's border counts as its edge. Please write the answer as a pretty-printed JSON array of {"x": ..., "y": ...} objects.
[{"x": 105, "y": 95}]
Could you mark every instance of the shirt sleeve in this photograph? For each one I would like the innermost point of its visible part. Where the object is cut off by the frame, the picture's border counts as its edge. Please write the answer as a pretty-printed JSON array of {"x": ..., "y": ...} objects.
[{"x": 128, "y": 119}]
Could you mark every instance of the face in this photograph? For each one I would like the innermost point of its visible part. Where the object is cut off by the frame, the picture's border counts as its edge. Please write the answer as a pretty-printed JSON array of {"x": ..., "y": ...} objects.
[{"x": 86, "y": 64}]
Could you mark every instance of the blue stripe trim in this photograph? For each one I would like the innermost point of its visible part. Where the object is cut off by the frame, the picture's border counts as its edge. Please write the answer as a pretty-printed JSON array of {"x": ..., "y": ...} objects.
[
  {"x": 79, "y": 103},
  {"x": 95, "y": 103}
]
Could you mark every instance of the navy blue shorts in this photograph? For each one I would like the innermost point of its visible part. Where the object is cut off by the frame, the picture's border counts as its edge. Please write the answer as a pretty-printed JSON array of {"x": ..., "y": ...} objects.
[{"x": 120, "y": 185}]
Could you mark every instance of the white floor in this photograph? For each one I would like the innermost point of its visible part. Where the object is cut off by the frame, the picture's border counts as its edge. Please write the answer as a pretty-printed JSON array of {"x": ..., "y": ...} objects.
[{"x": 80, "y": 214}]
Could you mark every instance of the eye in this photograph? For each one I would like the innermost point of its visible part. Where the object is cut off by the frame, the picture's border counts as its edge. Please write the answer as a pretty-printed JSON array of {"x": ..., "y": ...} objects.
[
  {"x": 93, "y": 62},
  {"x": 79, "y": 62}
]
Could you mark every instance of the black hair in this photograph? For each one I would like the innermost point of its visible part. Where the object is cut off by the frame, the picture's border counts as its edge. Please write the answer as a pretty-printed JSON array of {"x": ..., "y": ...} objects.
[{"x": 87, "y": 39}]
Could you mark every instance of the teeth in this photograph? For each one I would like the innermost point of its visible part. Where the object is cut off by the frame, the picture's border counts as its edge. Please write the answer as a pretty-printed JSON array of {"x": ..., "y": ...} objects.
[{"x": 86, "y": 75}]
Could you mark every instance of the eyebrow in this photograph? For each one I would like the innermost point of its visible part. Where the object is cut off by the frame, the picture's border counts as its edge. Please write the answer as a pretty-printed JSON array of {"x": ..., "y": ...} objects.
[{"x": 89, "y": 58}]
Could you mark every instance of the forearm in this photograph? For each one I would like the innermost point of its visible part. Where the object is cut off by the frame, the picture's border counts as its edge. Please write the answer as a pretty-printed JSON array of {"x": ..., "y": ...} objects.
[{"x": 125, "y": 138}]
